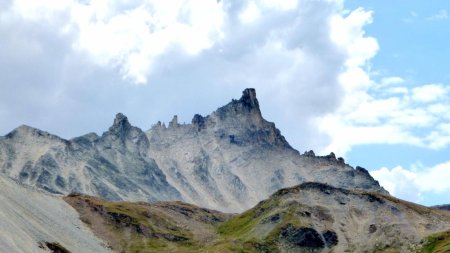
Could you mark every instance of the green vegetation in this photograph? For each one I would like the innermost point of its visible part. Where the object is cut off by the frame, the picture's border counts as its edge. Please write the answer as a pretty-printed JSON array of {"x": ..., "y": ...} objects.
[
  {"x": 240, "y": 232},
  {"x": 437, "y": 243},
  {"x": 133, "y": 227},
  {"x": 271, "y": 226},
  {"x": 241, "y": 225},
  {"x": 142, "y": 231}
]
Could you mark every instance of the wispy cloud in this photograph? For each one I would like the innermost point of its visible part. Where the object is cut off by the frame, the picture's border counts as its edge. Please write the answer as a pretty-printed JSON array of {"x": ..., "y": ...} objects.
[
  {"x": 440, "y": 15},
  {"x": 411, "y": 17},
  {"x": 390, "y": 112}
]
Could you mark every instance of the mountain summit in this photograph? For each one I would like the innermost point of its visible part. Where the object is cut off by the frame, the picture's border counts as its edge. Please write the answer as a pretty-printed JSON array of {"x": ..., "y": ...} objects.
[{"x": 229, "y": 160}]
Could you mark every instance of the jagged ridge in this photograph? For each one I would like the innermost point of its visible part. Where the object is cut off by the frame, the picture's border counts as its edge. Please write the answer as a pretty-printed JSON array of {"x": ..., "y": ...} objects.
[{"x": 228, "y": 160}]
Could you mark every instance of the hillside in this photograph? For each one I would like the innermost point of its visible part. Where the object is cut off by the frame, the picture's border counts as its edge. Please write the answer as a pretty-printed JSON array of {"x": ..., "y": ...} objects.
[
  {"x": 311, "y": 217},
  {"x": 34, "y": 221}
]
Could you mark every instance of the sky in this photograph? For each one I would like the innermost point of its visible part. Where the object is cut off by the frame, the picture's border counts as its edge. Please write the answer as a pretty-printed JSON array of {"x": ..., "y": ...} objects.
[{"x": 367, "y": 80}]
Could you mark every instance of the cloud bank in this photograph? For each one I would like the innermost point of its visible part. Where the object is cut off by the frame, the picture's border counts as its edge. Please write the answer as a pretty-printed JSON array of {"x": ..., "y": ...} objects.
[
  {"x": 67, "y": 62},
  {"x": 390, "y": 112},
  {"x": 412, "y": 184}
]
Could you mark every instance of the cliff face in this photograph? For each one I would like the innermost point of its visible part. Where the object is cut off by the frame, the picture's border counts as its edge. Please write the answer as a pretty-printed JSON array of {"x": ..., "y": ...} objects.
[
  {"x": 114, "y": 165},
  {"x": 233, "y": 158},
  {"x": 228, "y": 160}
]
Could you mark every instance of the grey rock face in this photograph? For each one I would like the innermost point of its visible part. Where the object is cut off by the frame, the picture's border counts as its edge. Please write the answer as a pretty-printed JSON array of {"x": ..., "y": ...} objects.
[
  {"x": 228, "y": 160},
  {"x": 243, "y": 158},
  {"x": 114, "y": 166}
]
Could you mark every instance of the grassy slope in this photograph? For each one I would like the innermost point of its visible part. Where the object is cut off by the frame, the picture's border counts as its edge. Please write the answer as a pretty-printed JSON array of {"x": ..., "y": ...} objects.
[
  {"x": 180, "y": 227},
  {"x": 437, "y": 243},
  {"x": 141, "y": 227}
]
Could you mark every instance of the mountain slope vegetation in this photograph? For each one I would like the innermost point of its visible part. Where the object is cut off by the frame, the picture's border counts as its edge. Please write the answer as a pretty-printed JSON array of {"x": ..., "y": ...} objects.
[{"x": 311, "y": 217}]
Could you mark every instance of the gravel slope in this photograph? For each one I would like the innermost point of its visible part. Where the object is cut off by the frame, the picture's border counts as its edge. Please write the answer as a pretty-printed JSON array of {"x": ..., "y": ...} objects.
[{"x": 29, "y": 216}]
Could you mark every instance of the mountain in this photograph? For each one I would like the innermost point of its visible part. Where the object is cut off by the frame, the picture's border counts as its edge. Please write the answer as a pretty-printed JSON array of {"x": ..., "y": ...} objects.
[
  {"x": 443, "y": 207},
  {"x": 228, "y": 160},
  {"x": 158, "y": 191},
  {"x": 311, "y": 217},
  {"x": 34, "y": 221}
]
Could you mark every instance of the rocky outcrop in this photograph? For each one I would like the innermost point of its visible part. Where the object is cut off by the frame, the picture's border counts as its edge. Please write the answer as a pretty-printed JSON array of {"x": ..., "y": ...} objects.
[
  {"x": 233, "y": 158},
  {"x": 315, "y": 217},
  {"x": 228, "y": 160}
]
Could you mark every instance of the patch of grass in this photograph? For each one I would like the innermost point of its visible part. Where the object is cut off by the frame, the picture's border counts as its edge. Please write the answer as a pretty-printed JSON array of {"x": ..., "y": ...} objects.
[
  {"x": 136, "y": 227},
  {"x": 228, "y": 246},
  {"x": 241, "y": 225},
  {"x": 437, "y": 243}
]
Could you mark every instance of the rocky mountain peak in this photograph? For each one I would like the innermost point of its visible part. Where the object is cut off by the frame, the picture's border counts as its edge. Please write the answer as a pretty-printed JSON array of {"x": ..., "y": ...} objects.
[
  {"x": 211, "y": 162},
  {"x": 129, "y": 136},
  {"x": 30, "y": 132},
  {"x": 249, "y": 99},
  {"x": 121, "y": 121},
  {"x": 121, "y": 126},
  {"x": 246, "y": 105},
  {"x": 198, "y": 122},
  {"x": 174, "y": 121}
]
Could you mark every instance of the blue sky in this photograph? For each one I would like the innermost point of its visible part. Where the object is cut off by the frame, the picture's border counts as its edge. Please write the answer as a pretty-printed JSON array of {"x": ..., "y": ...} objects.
[
  {"x": 368, "y": 80},
  {"x": 413, "y": 38}
]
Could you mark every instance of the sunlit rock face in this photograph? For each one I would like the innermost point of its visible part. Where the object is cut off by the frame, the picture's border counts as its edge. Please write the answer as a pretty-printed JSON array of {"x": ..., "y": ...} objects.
[{"x": 228, "y": 160}]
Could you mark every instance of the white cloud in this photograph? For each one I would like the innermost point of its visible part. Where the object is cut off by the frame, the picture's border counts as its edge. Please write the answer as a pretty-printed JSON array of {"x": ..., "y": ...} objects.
[
  {"x": 131, "y": 36},
  {"x": 399, "y": 182},
  {"x": 281, "y": 5},
  {"x": 429, "y": 93},
  {"x": 191, "y": 57},
  {"x": 396, "y": 90},
  {"x": 392, "y": 80},
  {"x": 388, "y": 112},
  {"x": 440, "y": 15},
  {"x": 440, "y": 137},
  {"x": 411, "y": 184},
  {"x": 348, "y": 33},
  {"x": 309, "y": 60},
  {"x": 250, "y": 14}
]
